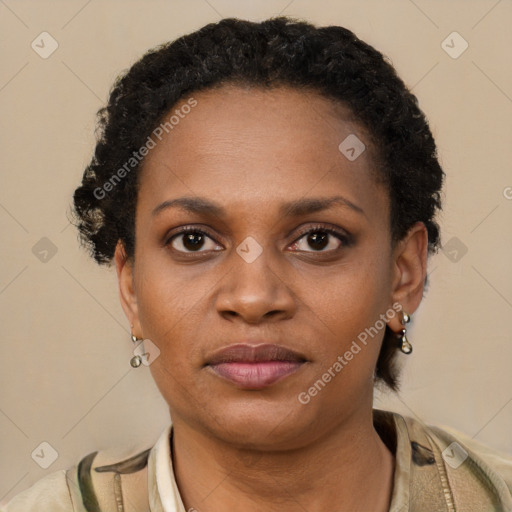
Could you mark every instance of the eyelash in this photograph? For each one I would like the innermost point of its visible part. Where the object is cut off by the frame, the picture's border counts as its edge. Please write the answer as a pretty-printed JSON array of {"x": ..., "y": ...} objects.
[{"x": 343, "y": 237}]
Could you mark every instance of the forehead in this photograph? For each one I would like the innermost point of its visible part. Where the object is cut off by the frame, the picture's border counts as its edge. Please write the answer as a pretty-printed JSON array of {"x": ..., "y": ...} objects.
[{"x": 246, "y": 146}]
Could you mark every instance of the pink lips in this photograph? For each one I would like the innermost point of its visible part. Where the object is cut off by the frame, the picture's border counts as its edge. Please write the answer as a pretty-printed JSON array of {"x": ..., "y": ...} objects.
[{"x": 255, "y": 366}]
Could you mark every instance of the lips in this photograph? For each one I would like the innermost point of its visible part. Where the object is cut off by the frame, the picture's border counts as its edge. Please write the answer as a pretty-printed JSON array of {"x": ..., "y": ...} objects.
[{"x": 255, "y": 366}]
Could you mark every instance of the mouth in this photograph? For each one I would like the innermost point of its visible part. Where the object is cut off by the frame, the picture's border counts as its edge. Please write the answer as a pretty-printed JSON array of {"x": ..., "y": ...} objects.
[{"x": 255, "y": 366}]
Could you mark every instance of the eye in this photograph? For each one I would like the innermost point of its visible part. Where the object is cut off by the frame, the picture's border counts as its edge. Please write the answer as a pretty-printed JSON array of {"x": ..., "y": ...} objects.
[
  {"x": 320, "y": 238},
  {"x": 191, "y": 239}
]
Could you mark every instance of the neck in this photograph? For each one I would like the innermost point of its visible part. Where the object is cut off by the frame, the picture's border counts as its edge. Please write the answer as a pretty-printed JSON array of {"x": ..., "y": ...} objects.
[{"x": 350, "y": 469}]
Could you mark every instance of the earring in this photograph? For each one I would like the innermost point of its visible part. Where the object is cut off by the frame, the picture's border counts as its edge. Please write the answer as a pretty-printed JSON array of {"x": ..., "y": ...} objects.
[
  {"x": 403, "y": 342},
  {"x": 136, "y": 361}
]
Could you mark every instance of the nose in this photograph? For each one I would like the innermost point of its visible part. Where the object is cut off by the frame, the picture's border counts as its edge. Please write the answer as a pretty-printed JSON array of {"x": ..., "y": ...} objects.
[{"x": 256, "y": 292}]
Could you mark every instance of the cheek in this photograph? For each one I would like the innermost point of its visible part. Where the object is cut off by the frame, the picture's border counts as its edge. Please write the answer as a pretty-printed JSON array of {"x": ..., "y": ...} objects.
[
  {"x": 171, "y": 306},
  {"x": 168, "y": 312},
  {"x": 348, "y": 310},
  {"x": 164, "y": 292},
  {"x": 356, "y": 292}
]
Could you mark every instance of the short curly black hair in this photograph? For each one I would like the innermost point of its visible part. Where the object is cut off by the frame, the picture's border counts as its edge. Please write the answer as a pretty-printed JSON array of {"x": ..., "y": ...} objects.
[{"x": 280, "y": 51}]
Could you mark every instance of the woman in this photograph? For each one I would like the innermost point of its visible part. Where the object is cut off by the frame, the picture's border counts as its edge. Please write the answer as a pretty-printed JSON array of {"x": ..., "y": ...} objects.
[{"x": 267, "y": 192}]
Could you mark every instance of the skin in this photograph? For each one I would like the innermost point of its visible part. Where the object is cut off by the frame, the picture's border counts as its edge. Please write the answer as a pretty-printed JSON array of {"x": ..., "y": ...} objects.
[{"x": 250, "y": 151}]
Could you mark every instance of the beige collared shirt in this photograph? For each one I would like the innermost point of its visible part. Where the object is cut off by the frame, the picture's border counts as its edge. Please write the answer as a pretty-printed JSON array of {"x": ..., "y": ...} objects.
[{"x": 435, "y": 471}]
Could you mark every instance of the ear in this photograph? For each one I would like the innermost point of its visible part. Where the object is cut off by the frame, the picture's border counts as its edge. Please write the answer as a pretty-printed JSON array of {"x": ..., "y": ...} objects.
[
  {"x": 127, "y": 293},
  {"x": 409, "y": 272}
]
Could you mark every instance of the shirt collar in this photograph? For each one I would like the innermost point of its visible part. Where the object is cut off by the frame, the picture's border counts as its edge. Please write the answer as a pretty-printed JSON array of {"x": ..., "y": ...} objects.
[
  {"x": 164, "y": 495},
  {"x": 401, "y": 479}
]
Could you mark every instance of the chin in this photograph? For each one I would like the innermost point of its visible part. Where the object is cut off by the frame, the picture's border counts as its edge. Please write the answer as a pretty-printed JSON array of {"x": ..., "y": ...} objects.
[{"x": 259, "y": 424}]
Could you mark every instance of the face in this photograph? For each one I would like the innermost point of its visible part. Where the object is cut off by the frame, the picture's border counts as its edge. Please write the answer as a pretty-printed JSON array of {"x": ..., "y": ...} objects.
[{"x": 285, "y": 261}]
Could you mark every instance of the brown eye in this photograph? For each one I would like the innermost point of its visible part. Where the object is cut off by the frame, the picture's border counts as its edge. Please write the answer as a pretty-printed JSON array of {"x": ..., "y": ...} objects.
[
  {"x": 318, "y": 239},
  {"x": 192, "y": 240}
]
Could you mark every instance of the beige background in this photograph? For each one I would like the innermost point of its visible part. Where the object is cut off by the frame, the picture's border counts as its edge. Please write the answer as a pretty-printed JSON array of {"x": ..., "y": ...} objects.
[{"x": 64, "y": 370}]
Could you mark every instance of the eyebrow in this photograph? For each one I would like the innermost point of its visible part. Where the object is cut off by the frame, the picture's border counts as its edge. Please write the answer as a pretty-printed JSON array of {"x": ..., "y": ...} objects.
[{"x": 294, "y": 208}]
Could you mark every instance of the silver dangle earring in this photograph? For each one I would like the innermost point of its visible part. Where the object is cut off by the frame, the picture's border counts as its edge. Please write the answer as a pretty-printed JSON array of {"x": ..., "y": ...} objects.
[
  {"x": 136, "y": 361},
  {"x": 403, "y": 342}
]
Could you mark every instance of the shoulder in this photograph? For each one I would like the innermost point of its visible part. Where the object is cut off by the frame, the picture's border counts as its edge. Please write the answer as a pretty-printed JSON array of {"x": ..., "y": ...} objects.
[
  {"x": 49, "y": 493},
  {"x": 470, "y": 472},
  {"x": 497, "y": 464},
  {"x": 101, "y": 481}
]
